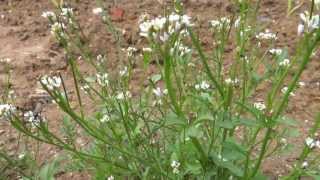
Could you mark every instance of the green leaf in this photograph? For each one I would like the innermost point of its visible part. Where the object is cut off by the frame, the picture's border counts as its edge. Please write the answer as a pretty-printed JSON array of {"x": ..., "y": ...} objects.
[
  {"x": 193, "y": 168},
  {"x": 233, "y": 151},
  {"x": 204, "y": 117},
  {"x": 247, "y": 122},
  {"x": 49, "y": 170},
  {"x": 174, "y": 119},
  {"x": 227, "y": 124},
  {"x": 287, "y": 121},
  {"x": 260, "y": 176},
  {"x": 203, "y": 156},
  {"x": 293, "y": 133},
  {"x": 194, "y": 132},
  {"x": 234, "y": 169},
  {"x": 155, "y": 78}
]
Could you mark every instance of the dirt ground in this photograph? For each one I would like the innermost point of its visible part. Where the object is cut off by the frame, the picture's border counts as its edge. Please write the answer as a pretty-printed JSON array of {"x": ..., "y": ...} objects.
[{"x": 26, "y": 40}]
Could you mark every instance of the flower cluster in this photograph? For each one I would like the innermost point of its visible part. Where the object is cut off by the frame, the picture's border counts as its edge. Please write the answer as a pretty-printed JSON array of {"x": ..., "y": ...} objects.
[
  {"x": 308, "y": 24},
  {"x": 48, "y": 14},
  {"x": 163, "y": 27},
  {"x": 5, "y": 60},
  {"x": 285, "y": 89},
  {"x": 312, "y": 143},
  {"x": 175, "y": 166},
  {"x": 202, "y": 86},
  {"x": 58, "y": 21},
  {"x": 105, "y": 118},
  {"x": 51, "y": 82},
  {"x": 180, "y": 49},
  {"x": 97, "y": 11},
  {"x": 100, "y": 59},
  {"x": 259, "y": 105},
  {"x": 276, "y": 52},
  {"x": 267, "y": 35},
  {"x": 102, "y": 79},
  {"x": 220, "y": 23},
  {"x": 233, "y": 82},
  {"x": 110, "y": 178},
  {"x": 285, "y": 63},
  {"x": 6, "y": 110},
  {"x": 122, "y": 95},
  {"x": 159, "y": 93},
  {"x": 123, "y": 72},
  {"x": 32, "y": 118},
  {"x": 131, "y": 51}
]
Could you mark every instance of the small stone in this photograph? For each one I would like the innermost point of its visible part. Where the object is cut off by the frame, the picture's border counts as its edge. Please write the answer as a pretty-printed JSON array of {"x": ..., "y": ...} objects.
[{"x": 117, "y": 14}]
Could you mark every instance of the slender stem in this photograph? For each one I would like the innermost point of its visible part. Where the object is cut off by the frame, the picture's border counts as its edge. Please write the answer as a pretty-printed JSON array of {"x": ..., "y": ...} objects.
[
  {"x": 76, "y": 86},
  {"x": 262, "y": 152}
]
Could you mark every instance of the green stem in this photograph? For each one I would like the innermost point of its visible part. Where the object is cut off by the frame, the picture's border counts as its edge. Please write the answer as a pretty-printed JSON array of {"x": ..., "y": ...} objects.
[
  {"x": 262, "y": 152},
  {"x": 76, "y": 86}
]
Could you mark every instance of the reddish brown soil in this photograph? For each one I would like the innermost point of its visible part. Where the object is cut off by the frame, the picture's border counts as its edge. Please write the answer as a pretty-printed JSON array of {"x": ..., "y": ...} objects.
[{"x": 25, "y": 38}]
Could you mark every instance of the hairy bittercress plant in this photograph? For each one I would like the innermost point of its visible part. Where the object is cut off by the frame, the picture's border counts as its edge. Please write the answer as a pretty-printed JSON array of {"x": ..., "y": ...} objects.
[{"x": 195, "y": 118}]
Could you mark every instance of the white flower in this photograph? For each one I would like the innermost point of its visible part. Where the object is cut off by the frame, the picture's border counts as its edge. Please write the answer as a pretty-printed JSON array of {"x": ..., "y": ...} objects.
[
  {"x": 85, "y": 88},
  {"x": 174, "y": 18},
  {"x": 6, "y": 110},
  {"x": 48, "y": 14},
  {"x": 237, "y": 22},
  {"x": 230, "y": 81},
  {"x": 267, "y": 35},
  {"x": 277, "y": 52},
  {"x": 147, "y": 49},
  {"x": 124, "y": 71},
  {"x": 317, "y": 144},
  {"x": 175, "y": 166},
  {"x": 131, "y": 51},
  {"x": 121, "y": 95},
  {"x": 102, "y": 79},
  {"x": 305, "y": 164},
  {"x": 145, "y": 27},
  {"x": 110, "y": 178},
  {"x": 220, "y": 23},
  {"x": 174, "y": 22},
  {"x": 57, "y": 28},
  {"x": 5, "y": 60},
  {"x": 260, "y": 106},
  {"x": 66, "y": 11},
  {"x": 21, "y": 156},
  {"x": 100, "y": 59},
  {"x": 300, "y": 29},
  {"x": 51, "y": 82},
  {"x": 97, "y": 11},
  {"x": 180, "y": 49},
  {"x": 186, "y": 20},
  {"x": 284, "y": 141},
  {"x": 285, "y": 89},
  {"x": 222, "y": 158},
  {"x": 158, "y": 92},
  {"x": 285, "y": 63},
  {"x": 202, "y": 86},
  {"x": 31, "y": 118},
  {"x": 310, "y": 24},
  {"x": 158, "y": 23},
  {"x": 105, "y": 118},
  {"x": 164, "y": 37},
  {"x": 301, "y": 83},
  {"x": 310, "y": 142}
]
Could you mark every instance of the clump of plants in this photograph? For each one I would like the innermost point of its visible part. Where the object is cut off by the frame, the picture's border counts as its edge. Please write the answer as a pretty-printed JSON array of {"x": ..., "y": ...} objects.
[{"x": 196, "y": 118}]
